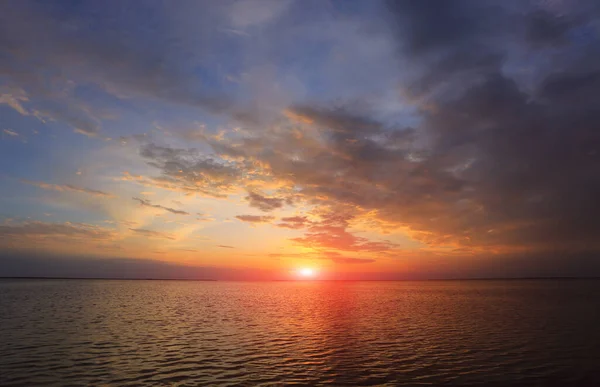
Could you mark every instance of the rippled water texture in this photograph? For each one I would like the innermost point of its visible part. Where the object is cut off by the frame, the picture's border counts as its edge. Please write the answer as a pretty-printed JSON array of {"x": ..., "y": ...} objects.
[{"x": 71, "y": 332}]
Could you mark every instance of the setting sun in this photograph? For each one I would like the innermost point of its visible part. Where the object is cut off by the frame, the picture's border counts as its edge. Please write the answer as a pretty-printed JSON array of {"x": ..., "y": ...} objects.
[{"x": 307, "y": 272}]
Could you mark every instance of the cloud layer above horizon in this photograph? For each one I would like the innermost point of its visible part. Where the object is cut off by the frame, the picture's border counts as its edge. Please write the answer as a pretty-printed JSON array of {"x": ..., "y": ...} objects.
[{"x": 367, "y": 138}]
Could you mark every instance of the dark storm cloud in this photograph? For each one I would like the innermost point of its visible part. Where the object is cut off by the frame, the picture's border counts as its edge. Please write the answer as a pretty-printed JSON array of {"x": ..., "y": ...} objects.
[
  {"x": 448, "y": 41},
  {"x": 424, "y": 26},
  {"x": 521, "y": 166},
  {"x": 545, "y": 28}
]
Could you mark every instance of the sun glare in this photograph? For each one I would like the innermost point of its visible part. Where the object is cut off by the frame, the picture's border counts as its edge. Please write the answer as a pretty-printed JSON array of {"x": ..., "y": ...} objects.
[{"x": 307, "y": 272}]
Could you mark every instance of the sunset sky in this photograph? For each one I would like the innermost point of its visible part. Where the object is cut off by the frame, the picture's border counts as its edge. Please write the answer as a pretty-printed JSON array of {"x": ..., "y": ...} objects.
[{"x": 249, "y": 139}]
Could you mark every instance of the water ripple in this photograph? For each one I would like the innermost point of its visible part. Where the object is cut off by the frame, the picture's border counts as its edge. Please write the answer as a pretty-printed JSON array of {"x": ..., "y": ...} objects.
[{"x": 139, "y": 333}]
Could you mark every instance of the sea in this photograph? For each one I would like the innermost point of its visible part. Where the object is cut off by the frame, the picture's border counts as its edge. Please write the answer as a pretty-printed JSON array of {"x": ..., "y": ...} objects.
[{"x": 304, "y": 333}]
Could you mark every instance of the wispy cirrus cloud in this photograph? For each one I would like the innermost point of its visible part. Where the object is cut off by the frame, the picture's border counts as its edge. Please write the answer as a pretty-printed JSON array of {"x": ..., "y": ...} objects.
[
  {"x": 148, "y": 203},
  {"x": 121, "y": 222},
  {"x": 151, "y": 233},
  {"x": 204, "y": 217},
  {"x": 68, "y": 188},
  {"x": 53, "y": 230},
  {"x": 14, "y": 97}
]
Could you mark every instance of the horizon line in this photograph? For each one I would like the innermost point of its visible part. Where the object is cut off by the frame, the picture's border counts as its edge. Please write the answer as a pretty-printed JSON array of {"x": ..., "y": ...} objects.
[{"x": 298, "y": 280}]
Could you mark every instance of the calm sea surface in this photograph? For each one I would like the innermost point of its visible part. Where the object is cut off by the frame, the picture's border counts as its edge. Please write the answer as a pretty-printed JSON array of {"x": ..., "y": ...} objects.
[{"x": 94, "y": 332}]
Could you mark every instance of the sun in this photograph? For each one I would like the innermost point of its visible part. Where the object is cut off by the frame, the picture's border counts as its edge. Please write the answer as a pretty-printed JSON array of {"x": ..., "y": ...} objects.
[{"x": 307, "y": 272}]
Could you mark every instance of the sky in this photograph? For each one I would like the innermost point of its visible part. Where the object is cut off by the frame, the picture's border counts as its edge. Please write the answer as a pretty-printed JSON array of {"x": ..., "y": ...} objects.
[{"x": 249, "y": 139}]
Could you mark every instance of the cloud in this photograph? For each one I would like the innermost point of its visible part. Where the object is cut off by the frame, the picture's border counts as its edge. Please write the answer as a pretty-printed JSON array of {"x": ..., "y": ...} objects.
[
  {"x": 336, "y": 257},
  {"x": 255, "y": 12},
  {"x": 204, "y": 217},
  {"x": 451, "y": 128},
  {"x": 22, "y": 264},
  {"x": 347, "y": 260},
  {"x": 14, "y": 97},
  {"x": 148, "y": 203},
  {"x": 263, "y": 203},
  {"x": 545, "y": 29},
  {"x": 10, "y": 132},
  {"x": 226, "y": 247},
  {"x": 68, "y": 188},
  {"x": 151, "y": 233},
  {"x": 294, "y": 222},
  {"x": 426, "y": 27},
  {"x": 54, "y": 230},
  {"x": 331, "y": 233},
  {"x": 36, "y": 264},
  {"x": 78, "y": 119},
  {"x": 71, "y": 112},
  {"x": 38, "y": 47},
  {"x": 493, "y": 157},
  {"x": 255, "y": 218},
  {"x": 188, "y": 171},
  {"x": 123, "y": 222},
  {"x": 288, "y": 255}
]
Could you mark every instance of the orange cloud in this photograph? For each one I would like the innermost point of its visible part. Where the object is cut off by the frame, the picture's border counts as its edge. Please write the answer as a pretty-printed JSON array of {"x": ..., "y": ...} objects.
[
  {"x": 147, "y": 203},
  {"x": 255, "y": 218},
  {"x": 151, "y": 233},
  {"x": 294, "y": 222}
]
